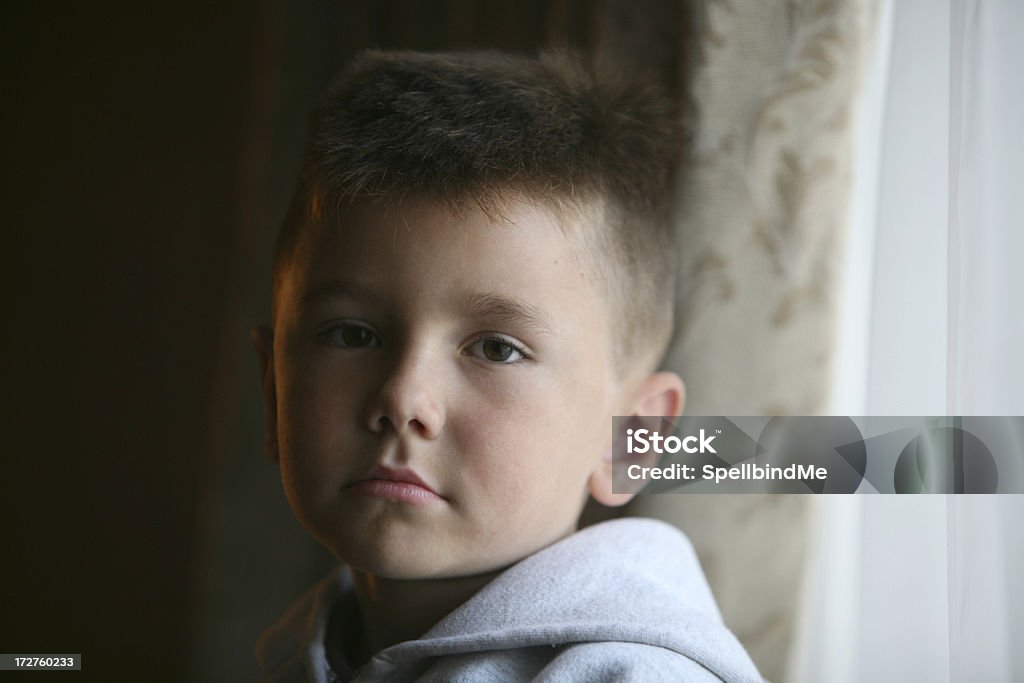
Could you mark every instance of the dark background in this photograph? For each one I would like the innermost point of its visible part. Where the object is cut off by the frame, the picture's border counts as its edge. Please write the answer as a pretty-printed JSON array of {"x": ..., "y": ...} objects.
[{"x": 149, "y": 152}]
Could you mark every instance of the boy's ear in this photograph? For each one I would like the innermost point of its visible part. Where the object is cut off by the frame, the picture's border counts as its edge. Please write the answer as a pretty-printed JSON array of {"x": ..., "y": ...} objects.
[
  {"x": 263, "y": 342},
  {"x": 660, "y": 394}
]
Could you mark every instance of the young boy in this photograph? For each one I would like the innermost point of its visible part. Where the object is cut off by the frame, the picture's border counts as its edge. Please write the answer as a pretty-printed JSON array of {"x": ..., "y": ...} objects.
[{"x": 475, "y": 275}]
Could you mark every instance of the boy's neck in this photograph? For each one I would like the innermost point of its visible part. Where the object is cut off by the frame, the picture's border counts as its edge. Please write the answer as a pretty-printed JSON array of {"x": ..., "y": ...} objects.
[{"x": 395, "y": 610}]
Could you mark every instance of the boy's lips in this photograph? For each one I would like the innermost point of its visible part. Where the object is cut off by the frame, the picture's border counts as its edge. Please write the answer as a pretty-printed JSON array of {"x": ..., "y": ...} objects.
[{"x": 400, "y": 484}]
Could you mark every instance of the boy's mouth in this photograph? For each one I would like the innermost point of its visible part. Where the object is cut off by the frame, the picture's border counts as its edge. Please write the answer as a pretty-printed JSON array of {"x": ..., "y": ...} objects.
[{"x": 399, "y": 484}]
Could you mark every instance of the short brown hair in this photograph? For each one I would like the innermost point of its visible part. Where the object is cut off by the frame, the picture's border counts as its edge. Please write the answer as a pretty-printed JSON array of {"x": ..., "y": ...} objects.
[{"x": 474, "y": 128}]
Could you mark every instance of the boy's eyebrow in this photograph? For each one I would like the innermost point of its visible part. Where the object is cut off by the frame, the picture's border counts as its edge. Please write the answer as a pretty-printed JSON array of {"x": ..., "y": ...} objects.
[
  {"x": 509, "y": 311},
  {"x": 487, "y": 306},
  {"x": 336, "y": 287}
]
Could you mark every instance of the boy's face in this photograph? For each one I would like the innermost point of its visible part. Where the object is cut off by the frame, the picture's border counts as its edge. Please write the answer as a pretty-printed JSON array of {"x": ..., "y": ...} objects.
[{"x": 473, "y": 355}]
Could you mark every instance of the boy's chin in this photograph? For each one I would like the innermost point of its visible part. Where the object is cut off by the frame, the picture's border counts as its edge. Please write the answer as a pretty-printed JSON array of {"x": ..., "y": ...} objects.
[
  {"x": 391, "y": 548},
  {"x": 407, "y": 567},
  {"x": 427, "y": 560}
]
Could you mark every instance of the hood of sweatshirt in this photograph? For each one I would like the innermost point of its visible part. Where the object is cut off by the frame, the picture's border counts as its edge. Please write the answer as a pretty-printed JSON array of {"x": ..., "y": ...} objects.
[{"x": 623, "y": 581}]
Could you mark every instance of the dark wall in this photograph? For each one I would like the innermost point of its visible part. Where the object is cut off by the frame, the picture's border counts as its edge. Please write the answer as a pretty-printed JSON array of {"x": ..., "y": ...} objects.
[{"x": 121, "y": 147}]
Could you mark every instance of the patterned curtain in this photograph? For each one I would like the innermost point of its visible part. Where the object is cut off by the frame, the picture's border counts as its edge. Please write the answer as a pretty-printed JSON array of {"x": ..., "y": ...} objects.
[{"x": 772, "y": 94}]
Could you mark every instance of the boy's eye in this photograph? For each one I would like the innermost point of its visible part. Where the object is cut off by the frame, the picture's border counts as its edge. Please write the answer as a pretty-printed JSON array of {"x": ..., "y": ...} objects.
[
  {"x": 350, "y": 335},
  {"x": 496, "y": 350}
]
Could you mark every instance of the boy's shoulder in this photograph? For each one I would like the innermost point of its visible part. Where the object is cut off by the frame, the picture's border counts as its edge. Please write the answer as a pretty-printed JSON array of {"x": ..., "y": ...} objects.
[{"x": 622, "y": 600}]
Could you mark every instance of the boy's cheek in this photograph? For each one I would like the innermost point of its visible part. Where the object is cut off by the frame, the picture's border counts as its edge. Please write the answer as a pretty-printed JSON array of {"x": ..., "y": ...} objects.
[
  {"x": 317, "y": 393},
  {"x": 513, "y": 464}
]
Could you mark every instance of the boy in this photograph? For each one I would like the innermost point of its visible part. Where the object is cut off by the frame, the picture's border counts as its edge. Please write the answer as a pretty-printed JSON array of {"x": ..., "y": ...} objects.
[{"x": 474, "y": 276}]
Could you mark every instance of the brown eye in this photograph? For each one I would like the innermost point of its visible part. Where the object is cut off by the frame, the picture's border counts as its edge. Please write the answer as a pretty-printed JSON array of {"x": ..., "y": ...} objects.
[
  {"x": 496, "y": 350},
  {"x": 350, "y": 335},
  {"x": 356, "y": 336}
]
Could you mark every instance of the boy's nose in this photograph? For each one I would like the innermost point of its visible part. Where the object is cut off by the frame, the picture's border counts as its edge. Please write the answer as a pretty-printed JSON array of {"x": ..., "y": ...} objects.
[{"x": 408, "y": 401}]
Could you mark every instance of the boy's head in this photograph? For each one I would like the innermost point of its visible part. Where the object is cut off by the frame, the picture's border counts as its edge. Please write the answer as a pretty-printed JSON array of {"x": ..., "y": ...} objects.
[{"x": 476, "y": 272}]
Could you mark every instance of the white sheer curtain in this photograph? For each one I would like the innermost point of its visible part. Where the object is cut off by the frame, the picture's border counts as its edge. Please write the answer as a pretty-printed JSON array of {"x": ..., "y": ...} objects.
[{"x": 929, "y": 588}]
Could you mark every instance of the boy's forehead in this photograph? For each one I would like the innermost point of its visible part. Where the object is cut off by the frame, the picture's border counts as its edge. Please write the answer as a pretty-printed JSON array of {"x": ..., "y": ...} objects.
[
  {"x": 413, "y": 229},
  {"x": 490, "y": 257}
]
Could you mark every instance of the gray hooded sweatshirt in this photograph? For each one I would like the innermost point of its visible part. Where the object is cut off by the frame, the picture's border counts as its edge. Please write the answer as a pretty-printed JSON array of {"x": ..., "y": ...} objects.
[{"x": 624, "y": 600}]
